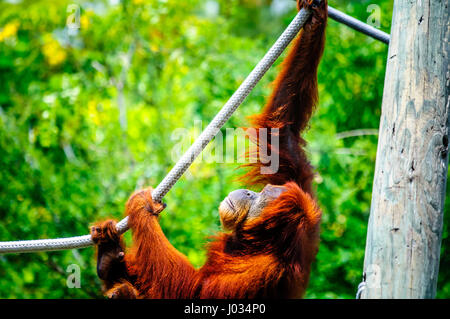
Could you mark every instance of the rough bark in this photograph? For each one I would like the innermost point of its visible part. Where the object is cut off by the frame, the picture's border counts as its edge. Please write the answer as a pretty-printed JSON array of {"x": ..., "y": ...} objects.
[{"x": 405, "y": 224}]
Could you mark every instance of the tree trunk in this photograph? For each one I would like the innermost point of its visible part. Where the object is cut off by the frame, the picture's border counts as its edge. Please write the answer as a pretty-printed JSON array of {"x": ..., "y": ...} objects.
[{"x": 405, "y": 224}]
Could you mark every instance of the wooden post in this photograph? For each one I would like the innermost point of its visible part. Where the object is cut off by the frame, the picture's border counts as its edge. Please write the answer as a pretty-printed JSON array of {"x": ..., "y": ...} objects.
[{"x": 405, "y": 224}]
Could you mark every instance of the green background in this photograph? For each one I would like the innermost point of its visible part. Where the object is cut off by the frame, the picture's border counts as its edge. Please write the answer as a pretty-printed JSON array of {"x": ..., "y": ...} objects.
[{"x": 88, "y": 117}]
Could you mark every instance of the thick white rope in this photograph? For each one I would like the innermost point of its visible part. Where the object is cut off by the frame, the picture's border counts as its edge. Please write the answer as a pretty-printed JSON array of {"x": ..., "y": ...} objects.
[
  {"x": 358, "y": 25},
  {"x": 361, "y": 288},
  {"x": 186, "y": 160}
]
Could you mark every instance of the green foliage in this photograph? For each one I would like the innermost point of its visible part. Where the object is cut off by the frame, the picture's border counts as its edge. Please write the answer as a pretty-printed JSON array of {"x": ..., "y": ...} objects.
[{"x": 88, "y": 117}]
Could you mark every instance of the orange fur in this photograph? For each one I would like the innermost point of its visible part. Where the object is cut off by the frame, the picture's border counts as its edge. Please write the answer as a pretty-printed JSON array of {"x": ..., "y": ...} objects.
[
  {"x": 267, "y": 256},
  {"x": 290, "y": 107}
]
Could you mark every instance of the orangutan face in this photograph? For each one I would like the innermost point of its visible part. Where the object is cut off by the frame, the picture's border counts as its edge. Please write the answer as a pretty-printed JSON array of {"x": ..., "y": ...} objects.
[{"x": 243, "y": 204}]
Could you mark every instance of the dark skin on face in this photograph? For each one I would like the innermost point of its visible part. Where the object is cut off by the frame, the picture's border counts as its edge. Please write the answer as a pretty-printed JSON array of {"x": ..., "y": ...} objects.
[{"x": 243, "y": 204}]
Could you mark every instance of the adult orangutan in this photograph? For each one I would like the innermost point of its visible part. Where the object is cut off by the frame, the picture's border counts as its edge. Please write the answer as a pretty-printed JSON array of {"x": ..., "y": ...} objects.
[{"x": 272, "y": 236}]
